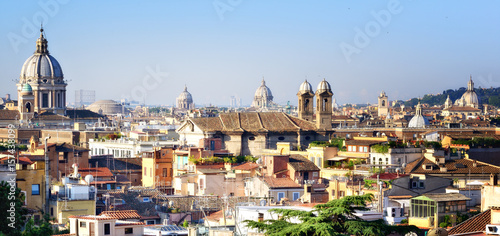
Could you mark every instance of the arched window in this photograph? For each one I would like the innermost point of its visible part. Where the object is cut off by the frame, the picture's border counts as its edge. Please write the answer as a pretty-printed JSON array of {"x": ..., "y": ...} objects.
[
  {"x": 383, "y": 103},
  {"x": 325, "y": 101},
  {"x": 28, "y": 107}
]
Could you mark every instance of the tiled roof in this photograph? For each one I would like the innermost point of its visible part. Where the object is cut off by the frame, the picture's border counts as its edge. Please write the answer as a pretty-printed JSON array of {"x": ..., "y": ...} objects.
[
  {"x": 444, "y": 197},
  {"x": 300, "y": 163},
  {"x": 9, "y": 114},
  {"x": 279, "y": 182},
  {"x": 475, "y": 224},
  {"x": 253, "y": 121},
  {"x": 452, "y": 168},
  {"x": 92, "y": 217},
  {"x": 246, "y": 166},
  {"x": 96, "y": 171},
  {"x": 122, "y": 215},
  {"x": 51, "y": 116},
  {"x": 82, "y": 114},
  {"x": 21, "y": 160}
]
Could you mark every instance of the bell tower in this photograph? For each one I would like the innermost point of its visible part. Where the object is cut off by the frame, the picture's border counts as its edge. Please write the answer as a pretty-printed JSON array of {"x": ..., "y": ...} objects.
[
  {"x": 383, "y": 106},
  {"x": 306, "y": 100},
  {"x": 26, "y": 103},
  {"x": 324, "y": 105}
]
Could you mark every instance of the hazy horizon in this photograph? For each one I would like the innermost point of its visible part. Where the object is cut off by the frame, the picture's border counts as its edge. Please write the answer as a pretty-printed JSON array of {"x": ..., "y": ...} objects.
[{"x": 220, "y": 48}]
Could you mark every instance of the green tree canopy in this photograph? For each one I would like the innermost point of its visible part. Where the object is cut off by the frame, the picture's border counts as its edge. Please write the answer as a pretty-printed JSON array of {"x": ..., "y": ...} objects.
[{"x": 333, "y": 218}]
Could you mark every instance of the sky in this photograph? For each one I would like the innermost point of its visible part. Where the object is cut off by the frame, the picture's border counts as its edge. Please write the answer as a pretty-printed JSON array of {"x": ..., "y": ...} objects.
[{"x": 150, "y": 50}]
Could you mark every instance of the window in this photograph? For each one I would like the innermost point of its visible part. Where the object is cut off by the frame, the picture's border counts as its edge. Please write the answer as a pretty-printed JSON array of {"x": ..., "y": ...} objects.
[
  {"x": 165, "y": 172},
  {"x": 129, "y": 230},
  {"x": 341, "y": 193},
  {"x": 45, "y": 100},
  {"x": 35, "y": 189},
  {"x": 281, "y": 195},
  {"x": 150, "y": 222},
  {"x": 261, "y": 217},
  {"x": 83, "y": 224},
  {"x": 421, "y": 184},
  {"x": 315, "y": 174},
  {"x": 296, "y": 195},
  {"x": 145, "y": 199},
  {"x": 349, "y": 148},
  {"x": 107, "y": 229},
  {"x": 365, "y": 149},
  {"x": 360, "y": 149},
  {"x": 145, "y": 171},
  {"x": 281, "y": 138},
  {"x": 151, "y": 172}
]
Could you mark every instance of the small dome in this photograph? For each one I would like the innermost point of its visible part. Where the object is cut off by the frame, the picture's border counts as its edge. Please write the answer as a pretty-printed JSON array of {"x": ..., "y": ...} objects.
[
  {"x": 418, "y": 121},
  {"x": 305, "y": 87},
  {"x": 27, "y": 88},
  {"x": 41, "y": 66},
  {"x": 324, "y": 86}
]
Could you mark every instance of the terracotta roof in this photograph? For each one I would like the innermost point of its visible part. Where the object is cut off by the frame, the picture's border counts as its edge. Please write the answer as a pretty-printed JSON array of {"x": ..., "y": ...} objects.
[
  {"x": 122, "y": 215},
  {"x": 92, "y": 217},
  {"x": 451, "y": 167},
  {"x": 279, "y": 182},
  {"x": 246, "y": 166},
  {"x": 475, "y": 224},
  {"x": 9, "y": 114},
  {"x": 300, "y": 163},
  {"x": 51, "y": 116},
  {"x": 401, "y": 197},
  {"x": 253, "y": 121},
  {"x": 22, "y": 160},
  {"x": 96, "y": 172}
]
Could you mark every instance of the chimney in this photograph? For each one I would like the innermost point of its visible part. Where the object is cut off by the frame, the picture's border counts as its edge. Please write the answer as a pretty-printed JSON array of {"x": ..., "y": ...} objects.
[
  {"x": 493, "y": 179},
  {"x": 474, "y": 163}
]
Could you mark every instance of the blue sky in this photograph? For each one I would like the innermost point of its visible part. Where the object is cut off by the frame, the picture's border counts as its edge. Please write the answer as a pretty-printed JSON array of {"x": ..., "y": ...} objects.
[{"x": 149, "y": 50}]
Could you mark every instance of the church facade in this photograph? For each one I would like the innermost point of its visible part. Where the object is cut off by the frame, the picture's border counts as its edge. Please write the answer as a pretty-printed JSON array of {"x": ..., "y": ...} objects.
[{"x": 247, "y": 133}]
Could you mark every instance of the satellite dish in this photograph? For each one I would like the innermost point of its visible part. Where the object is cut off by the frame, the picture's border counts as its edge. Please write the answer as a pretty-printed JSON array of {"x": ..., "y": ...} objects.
[
  {"x": 404, "y": 165},
  {"x": 89, "y": 179},
  {"x": 263, "y": 203}
]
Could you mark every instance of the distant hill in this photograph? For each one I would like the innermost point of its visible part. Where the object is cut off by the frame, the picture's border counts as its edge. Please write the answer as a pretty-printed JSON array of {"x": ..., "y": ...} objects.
[{"x": 490, "y": 96}]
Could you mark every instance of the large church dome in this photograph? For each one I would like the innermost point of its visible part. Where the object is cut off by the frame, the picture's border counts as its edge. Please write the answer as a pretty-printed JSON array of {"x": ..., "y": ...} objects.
[
  {"x": 41, "y": 66},
  {"x": 469, "y": 98},
  {"x": 263, "y": 91},
  {"x": 185, "y": 100}
]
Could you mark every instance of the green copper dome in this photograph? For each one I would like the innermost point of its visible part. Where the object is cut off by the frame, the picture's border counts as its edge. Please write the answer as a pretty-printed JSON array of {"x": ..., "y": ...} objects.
[{"x": 27, "y": 88}]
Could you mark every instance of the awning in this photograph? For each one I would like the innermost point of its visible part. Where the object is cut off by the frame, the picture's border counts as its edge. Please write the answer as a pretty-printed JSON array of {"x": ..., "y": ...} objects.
[{"x": 336, "y": 158}]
